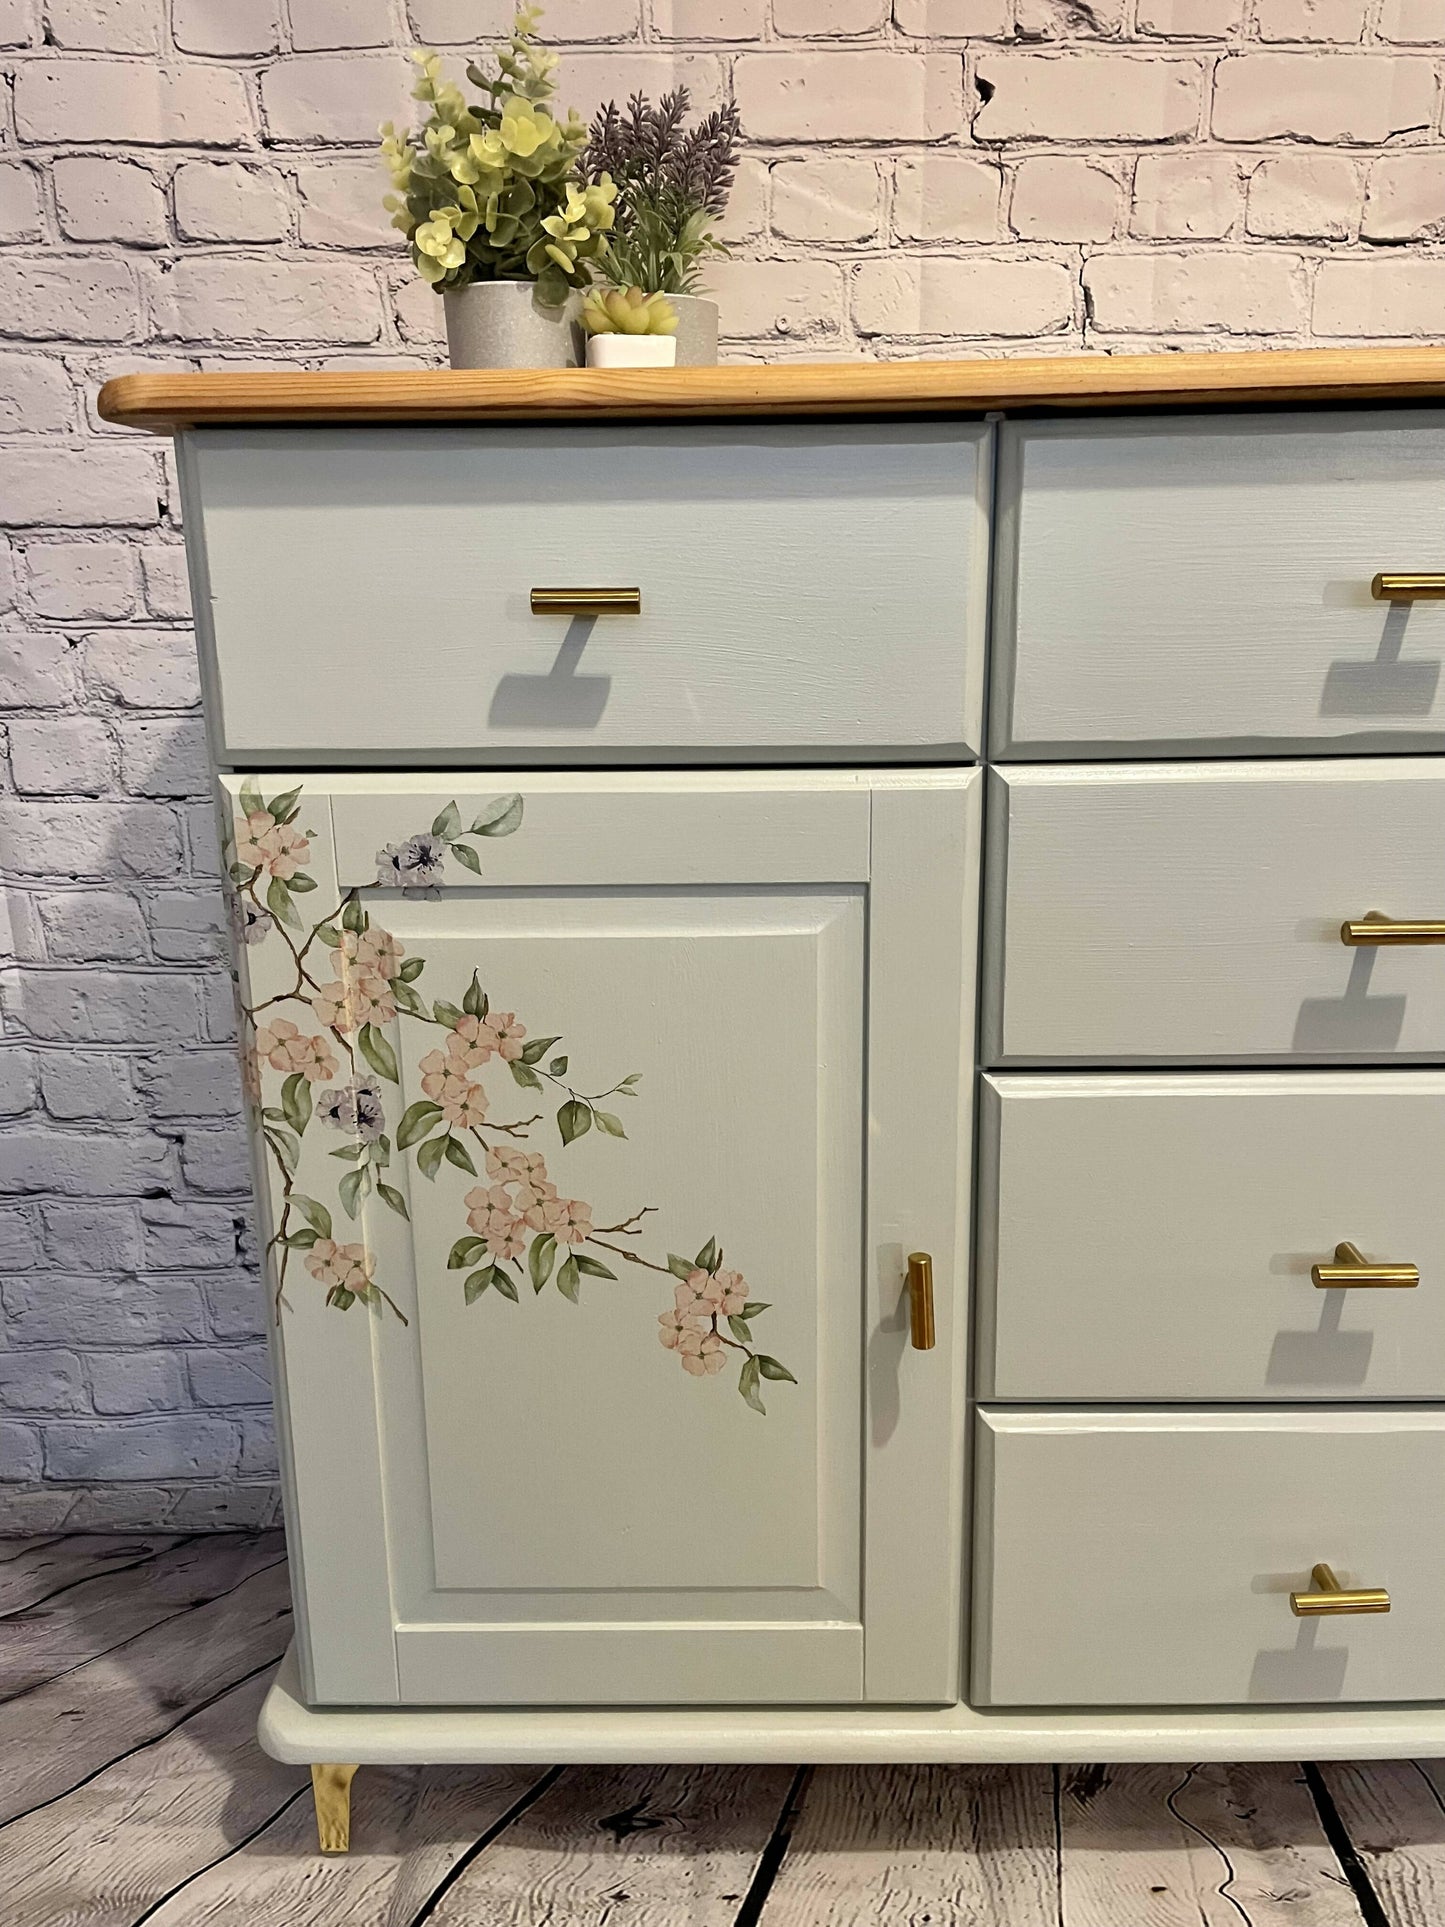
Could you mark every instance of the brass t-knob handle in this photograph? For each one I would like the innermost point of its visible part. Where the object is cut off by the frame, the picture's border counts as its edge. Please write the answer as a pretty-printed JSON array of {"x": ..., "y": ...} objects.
[
  {"x": 1331, "y": 1597},
  {"x": 1352, "y": 1268},
  {"x": 1377, "y": 928},
  {"x": 586, "y": 602},
  {"x": 1407, "y": 587},
  {"x": 920, "y": 1300}
]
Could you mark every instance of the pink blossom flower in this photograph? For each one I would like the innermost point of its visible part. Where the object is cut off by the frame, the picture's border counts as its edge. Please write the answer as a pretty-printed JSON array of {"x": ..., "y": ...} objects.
[
  {"x": 505, "y": 1163},
  {"x": 264, "y": 844},
  {"x": 285, "y": 1049},
  {"x": 471, "y": 1041},
  {"x": 504, "y": 1034},
  {"x": 464, "y": 1105},
  {"x": 731, "y": 1290},
  {"x": 348, "y": 1266},
  {"x": 674, "y": 1326},
  {"x": 490, "y": 1216},
  {"x": 568, "y": 1219},
  {"x": 375, "y": 952},
  {"x": 443, "y": 1079},
  {"x": 330, "y": 1008},
  {"x": 369, "y": 998},
  {"x": 702, "y": 1353}
]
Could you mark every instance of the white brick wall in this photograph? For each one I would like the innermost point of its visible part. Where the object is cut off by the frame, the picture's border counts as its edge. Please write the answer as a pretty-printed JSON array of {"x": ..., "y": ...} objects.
[{"x": 187, "y": 183}]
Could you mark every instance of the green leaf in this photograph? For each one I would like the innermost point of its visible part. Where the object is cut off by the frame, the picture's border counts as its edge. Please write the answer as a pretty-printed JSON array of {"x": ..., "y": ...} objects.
[
  {"x": 316, "y": 1215},
  {"x": 707, "y": 1258},
  {"x": 755, "y": 1308},
  {"x": 381, "y": 1152},
  {"x": 353, "y": 917},
  {"x": 569, "y": 1281},
  {"x": 680, "y": 1267},
  {"x": 352, "y": 1189},
  {"x": 465, "y": 854},
  {"x": 278, "y": 902},
  {"x": 340, "y": 1298},
  {"x": 627, "y": 1088},
  {"x": 446, "y": 1013},
  {"x": 416, "y": 1122},
  {"x": 605, "y": 1121},
  {"x": 524, "y": 1075},
  {"x": 539, "y": 1259},
  {"x": 501, "y": 817},
  {"x": 464, "y": 1252},
  {"x": 448, "y": 824},
  {"x": 273, "y": 1114},
  {"x": 740, "y": 1329},
  {"x": 475, "y": 1003},
  {"x": 329, "y": 935},
  {"x": 459, "y": 1155},
  {"x": 288, "y": 1148},
  {"x": 534, "y": 1052},
  {"x": 770, "y": 1368},
  {"x": 574, "y": 1120},
  {"x": 389, "y": 1194},
  {"x": 407, "y": 999},
  {"x": 296, "y": 1102},
  {"x": 474, "y": 1286},
  {"x": 301, "y": 1240},
  {"x": 300, "y": 883},
  {"x": 504, "y": 1284},
  {"x": 591, "y": 1268},
  {"x": 748, "y": 1386},
  {"x": 251, "y": 796},
  {"x": 283, "y": 807},
  {"x": 351, "y": 1152},
  {"x": 412, "y": 969},
  {"x": 378, "y": 1053},
  {"x": 429, "y": 1157},
  {"x": 557, "y": 1067}
]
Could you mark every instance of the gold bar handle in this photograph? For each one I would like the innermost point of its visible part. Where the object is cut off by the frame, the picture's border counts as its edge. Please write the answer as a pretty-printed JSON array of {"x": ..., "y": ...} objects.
[
  {"x": 1408, "y": 588},
  {"x": 1377, "y": 928},
  {"x": 1352, "y": 1267},
  {"x": 586, "y": 602},
  {"x": 920, "y": 1300},
  {"x": 1331, "y": 1597}
]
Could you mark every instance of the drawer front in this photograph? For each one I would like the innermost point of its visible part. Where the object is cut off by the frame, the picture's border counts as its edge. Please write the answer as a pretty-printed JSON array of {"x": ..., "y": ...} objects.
[
  {"x": 1184, "y": 1216},
  {"x": 1192, "y": 913},
  {"x": 1203, "y": 586},
  {"x": 1147, "y": 1558},
  {"x": 808, "y": 590}
]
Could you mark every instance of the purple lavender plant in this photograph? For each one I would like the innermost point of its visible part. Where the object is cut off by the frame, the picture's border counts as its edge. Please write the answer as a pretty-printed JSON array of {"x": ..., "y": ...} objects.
[{"x": 672, "y": 184}]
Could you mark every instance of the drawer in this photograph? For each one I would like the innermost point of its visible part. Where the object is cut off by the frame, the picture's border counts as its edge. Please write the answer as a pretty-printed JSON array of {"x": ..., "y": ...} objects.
[
  {"x": 1188, "y": 913},
  {"x": 1147, "y": 1558},
  {"x": 1147, "y": 1238},
  {"x": 1202, "y": 586},
  {"x": 814, "y": 592}
]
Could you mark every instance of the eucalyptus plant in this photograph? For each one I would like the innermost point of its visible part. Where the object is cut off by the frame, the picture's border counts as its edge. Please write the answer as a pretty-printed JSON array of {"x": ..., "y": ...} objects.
[
  {"x": 672, "y": 187},
  {"x": 491, "y": 191}
]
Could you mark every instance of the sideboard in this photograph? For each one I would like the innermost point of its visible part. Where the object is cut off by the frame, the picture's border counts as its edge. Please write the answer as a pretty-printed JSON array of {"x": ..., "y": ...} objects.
[{"x": 841, "y": 978}]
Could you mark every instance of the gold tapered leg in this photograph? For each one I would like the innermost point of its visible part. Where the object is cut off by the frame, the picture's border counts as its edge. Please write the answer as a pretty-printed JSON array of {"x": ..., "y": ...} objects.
[{"x": 331, "y": 1790}]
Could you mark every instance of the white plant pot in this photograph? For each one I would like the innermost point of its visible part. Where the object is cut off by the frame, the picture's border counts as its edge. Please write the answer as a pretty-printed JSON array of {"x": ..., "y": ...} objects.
[
  {"x": 502, "y": 324},
  {"x": 696, "y": 337},
  {"x": 631, "y": 351}
]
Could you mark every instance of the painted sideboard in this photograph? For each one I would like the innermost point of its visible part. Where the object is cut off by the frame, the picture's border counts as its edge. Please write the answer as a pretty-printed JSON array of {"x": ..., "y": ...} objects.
[{"x": 844, "y": 1038}]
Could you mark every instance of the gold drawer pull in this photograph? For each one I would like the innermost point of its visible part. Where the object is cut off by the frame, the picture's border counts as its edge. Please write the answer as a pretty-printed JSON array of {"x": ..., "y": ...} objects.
[
  {"x": 920, "y": 1300},
  {"x": 1408, "y": 588},
  {"x": 586, "y": 602},
  {"x": 1331, "y": 1597},
  {"x": 1378, "y": 928},
  {"x": 1352, "y": 1267}
]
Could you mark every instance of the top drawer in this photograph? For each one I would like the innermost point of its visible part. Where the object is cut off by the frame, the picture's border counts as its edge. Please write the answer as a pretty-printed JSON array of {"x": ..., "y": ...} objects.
[
  {"x": 808, "y": 590},
  {"x": 1203, "y": 585}
]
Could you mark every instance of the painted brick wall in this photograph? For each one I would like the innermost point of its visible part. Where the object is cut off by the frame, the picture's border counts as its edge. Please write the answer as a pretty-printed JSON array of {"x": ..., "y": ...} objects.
[{"x": 187, "y": 183}]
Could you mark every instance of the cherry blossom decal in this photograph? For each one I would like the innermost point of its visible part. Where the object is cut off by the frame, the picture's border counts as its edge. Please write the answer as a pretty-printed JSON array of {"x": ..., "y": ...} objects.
[{"x": 353, "y": 984}]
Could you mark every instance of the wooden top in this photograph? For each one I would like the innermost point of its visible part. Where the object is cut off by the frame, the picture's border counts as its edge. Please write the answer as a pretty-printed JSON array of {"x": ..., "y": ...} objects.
[{"x": 168, "y": 402}]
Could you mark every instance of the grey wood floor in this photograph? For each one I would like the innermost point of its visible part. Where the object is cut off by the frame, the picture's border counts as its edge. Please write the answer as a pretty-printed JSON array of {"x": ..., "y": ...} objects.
[{"x": 132, "y": 1789}]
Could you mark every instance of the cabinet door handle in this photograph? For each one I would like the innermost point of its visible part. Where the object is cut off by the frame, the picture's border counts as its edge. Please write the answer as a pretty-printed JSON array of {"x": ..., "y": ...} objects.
[
  {"x": 920, "y": 1300},
  {"x": 1378, "y": 928},
  {"x": 1352, "y": 1267},
  {"x": 1331, "y": 1597},
  {"x": 1408, "y": 588},
  {"x": 586, "y": 602}
]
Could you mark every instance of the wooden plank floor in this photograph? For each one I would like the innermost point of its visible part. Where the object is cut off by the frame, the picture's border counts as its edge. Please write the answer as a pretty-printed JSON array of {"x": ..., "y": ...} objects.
[{"x": 132, "y": 1790}]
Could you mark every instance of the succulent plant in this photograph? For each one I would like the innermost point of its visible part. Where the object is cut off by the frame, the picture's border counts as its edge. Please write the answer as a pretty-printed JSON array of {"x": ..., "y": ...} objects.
[
  {"x": 628, "y": 311},
  {"x": 491, "y": 191}
]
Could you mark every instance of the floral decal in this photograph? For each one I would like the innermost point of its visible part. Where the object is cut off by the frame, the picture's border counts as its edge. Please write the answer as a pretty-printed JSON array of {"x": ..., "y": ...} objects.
[{"x": 353, "y": 981}]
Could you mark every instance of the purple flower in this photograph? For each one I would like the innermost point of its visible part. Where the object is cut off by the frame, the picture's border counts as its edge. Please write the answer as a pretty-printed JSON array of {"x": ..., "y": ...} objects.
[
  {"x": 250, "y": 922},
  {"x": 414, "y": 867},
  {"x": 355, "y": 1109}
]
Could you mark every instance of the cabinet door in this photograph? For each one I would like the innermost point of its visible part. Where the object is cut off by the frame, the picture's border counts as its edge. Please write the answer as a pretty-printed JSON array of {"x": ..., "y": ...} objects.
[{"x": 599, "y": 1115}]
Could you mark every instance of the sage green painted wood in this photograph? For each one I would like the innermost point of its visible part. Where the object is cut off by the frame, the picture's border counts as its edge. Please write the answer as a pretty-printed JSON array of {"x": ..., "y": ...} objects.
[
  {"x": 1201, "y": 586},
  {"x": 1146, "y": 1558}
]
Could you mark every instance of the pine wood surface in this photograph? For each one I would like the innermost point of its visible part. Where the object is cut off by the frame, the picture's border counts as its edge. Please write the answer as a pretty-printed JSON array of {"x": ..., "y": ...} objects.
[
  {"x": 167, "y": 402},
  {"x": 134, "y": 1792}
]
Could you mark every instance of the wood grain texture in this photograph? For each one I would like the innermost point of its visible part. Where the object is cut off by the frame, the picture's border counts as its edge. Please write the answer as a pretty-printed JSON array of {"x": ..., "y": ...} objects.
[
  {"x": 651, "y": 1846},
  {"x": 1394, "y": 1814},
  {"x": 63, "y": 1732},
  {"x": 932, "y": 1844},
  {"x": 1196, "y": 1846},
  {"x": 100, "y": 1612},
  {"x": 166, "y": 402},
  {"x": 49, "y": 1567}
]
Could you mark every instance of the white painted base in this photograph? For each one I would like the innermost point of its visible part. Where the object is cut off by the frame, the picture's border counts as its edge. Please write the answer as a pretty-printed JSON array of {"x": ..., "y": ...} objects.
[{"x": 299, "y": 1735}]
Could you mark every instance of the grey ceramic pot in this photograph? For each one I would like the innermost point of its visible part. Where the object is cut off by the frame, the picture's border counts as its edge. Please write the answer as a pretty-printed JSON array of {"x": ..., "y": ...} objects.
[{"x": 501, "y": 324}]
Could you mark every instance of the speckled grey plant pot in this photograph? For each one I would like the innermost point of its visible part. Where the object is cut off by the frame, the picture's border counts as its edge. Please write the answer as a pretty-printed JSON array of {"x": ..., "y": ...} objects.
[{"x": 501, "y": 324}]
